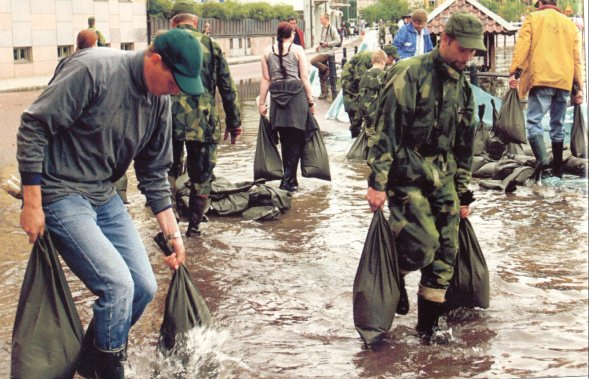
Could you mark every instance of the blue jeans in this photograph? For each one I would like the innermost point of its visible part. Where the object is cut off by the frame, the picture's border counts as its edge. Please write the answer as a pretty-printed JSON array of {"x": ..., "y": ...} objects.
[
  {"x": 102, "y": 247},
  {"x": 542, "y": 99}
]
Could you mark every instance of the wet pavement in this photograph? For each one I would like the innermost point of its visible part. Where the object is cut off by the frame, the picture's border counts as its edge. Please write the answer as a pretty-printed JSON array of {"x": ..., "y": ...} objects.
[{"x": 280, "y": 292}]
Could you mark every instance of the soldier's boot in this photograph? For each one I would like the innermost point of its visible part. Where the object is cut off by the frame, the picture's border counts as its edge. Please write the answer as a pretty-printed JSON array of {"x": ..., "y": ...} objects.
[
  {"x": 539, "y": 150},
  {"x": 428, "y": 315},
  {"x": 86, "y": 363},
  {"x": 196, "y": 206},
  {"x": 109, "y": 364},
  {"x": 403, "y": 304},
  {"x": 557, "y": 148}
]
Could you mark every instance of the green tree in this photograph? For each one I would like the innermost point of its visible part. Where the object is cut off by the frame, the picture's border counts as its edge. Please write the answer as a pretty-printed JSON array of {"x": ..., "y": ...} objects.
[
  {"x": 160, "y": 8},
  {"x": 492, "y": 5},
  {"x": 386, "y": 10}
]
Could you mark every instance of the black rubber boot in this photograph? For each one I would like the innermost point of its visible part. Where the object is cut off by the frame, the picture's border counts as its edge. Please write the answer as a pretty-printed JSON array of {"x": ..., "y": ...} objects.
[
  {"x": 292, "y": 143},
  {"x": 557, "y": 148},
  {"x": 428, "y": 314},
  {"x": 403, "y": 304},
  {"x": 109, "y": 364},
  {"x": 323, "y": 81},
  {"x": 196, "y": 207},
  {"x": 86, "y": 363},
  {"x": 539, "y": 149}
]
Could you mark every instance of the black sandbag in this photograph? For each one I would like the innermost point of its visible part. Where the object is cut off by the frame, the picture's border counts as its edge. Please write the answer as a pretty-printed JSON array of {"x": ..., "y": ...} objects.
[
  {"x": 578, "y": 134},
  {"x": 267, "y": 161},
  {"x": 47, "y": 334},
  {"x": 469, "y": 286},
  {"x": 486, "y": 170},
  {"x": 359, "y": 149},
  {"x": 376, "y": 285},
  {"x": 511, "y": 125},
  {"x": 314, "y": 160},
  {"x": 185, "y": 309},
  {"x": 481, "y": 134}
]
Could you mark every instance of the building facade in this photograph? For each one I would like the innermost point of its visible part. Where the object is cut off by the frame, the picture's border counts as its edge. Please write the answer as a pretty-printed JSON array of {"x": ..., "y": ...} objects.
[{"x": 36, "y": 34}]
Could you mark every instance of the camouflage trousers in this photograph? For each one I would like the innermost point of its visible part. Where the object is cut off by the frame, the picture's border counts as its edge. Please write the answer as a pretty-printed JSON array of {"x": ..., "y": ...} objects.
[
  {"x": 201, "y": 159},
  {"x": 425, "y": 224}
]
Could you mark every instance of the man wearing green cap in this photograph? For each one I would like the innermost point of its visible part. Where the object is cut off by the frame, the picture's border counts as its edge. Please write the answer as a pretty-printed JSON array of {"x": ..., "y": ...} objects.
[
  {"x": 421, "y": 160},
  {"x": 101, "y": 42},
  {"x": 196, "y": 119},
  {"x": 103, "y": 110}
]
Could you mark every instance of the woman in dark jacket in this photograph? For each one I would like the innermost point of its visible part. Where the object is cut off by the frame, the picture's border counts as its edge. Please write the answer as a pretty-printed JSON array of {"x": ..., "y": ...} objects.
[{"x": 285, "y": 76}]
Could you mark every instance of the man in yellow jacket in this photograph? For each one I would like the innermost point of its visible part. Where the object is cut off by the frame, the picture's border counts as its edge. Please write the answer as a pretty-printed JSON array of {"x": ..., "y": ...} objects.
[{"x": 547, "y": 55}]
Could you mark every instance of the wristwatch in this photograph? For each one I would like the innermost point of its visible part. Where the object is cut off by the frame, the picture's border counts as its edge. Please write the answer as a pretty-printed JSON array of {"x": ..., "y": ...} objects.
[{"x": 174, "y": 235}]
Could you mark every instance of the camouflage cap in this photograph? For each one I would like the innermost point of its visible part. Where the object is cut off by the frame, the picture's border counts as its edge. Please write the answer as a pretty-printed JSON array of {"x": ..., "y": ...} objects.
[
  {"x": 391, "y": 50},
  {"x": 181, "y": 53},
  {"x": 467, "y": 29},
  {"x": 183, "y": 7}
]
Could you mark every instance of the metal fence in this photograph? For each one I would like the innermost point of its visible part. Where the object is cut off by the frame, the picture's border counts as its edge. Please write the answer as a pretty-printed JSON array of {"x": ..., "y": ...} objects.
[{"x": 226, "y": 28}]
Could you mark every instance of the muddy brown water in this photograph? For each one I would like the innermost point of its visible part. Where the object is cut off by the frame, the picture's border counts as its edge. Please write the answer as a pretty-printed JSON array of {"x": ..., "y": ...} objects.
[{"x": 280, "y": 292}]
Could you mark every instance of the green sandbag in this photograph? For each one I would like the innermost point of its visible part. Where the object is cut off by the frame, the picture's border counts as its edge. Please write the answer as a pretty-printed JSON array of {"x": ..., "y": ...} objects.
[
  {"x": 481, "y": 134},
  {"x": 267, "y": 161},
  {"x": 359, "y": 149},
  {"x": 185, "y": 309},
  {"x": 578, "y": 134},
  {"x": 376, "y": 285},
  {"x": 314, "y": 161},
  {"x": 262, "y": 213},
  {"x": 469, "y": 286},
  {"x": 47, "y": 334},
  {"x": 511, "y": 125}
]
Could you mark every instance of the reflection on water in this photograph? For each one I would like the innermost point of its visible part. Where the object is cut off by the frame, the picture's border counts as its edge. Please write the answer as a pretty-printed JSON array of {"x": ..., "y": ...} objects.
[{"x": 280, "y": 292}]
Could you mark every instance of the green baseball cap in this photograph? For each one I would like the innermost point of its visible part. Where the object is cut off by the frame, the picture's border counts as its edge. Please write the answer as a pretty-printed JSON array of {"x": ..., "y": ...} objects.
[
  {"x": 467, "y": 29},
  {"x": 181, "y": 53},
  {"x": 182, "y": 7},
  {"x": 391, "y": 50}
]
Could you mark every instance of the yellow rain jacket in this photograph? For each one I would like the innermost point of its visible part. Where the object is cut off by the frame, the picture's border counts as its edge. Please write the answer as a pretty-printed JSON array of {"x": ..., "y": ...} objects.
[{"x": 548, "y": 51}]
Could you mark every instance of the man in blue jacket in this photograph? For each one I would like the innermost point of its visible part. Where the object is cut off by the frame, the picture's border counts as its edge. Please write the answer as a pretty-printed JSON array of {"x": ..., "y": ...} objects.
[{"x": 413, "y": 38}]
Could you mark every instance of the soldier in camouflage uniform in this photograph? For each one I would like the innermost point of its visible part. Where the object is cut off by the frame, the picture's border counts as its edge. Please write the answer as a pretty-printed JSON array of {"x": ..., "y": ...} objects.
[
  {"x": 382, "y": 33},
  {"x": 421, "y": 160},
  {"x": 101, "y": 42},
  {"x": 196, "y": 120},
  {"x": 352, "y": 73},
  {"x": 369, "y": 89}
]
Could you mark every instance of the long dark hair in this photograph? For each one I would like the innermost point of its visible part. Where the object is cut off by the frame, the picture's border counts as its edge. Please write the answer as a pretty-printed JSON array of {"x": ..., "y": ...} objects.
[{"x": 284, "y": 31}]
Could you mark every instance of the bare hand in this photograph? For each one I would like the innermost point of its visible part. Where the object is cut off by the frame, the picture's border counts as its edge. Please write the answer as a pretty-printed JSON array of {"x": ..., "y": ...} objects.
[
  {"x": 578, "y": 98},
  {"x": 312, "y": 108},
  {"x": 513, "y": 82},
  {"x": 376, "y": 199},
  {"x": 464, "y": 211},
  {"x": 178, "y": 257},
  {"x": 32, "y": 221},
  {"x": 263, "y": 109}
]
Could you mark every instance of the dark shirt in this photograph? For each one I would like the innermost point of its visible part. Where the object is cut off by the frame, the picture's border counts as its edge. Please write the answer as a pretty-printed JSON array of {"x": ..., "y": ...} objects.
[{"x": 95, "y": 118}]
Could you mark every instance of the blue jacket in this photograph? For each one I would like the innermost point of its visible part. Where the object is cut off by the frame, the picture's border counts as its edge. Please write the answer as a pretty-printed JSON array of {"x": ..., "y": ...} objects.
[{"x": 405, "y": 41}]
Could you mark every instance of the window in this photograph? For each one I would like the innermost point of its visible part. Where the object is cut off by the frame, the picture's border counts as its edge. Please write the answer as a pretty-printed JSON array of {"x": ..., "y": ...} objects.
[
  {"x": 249, "y": 43},
  {"x": 241, "y": 43},
  {"x": 127, "y": 46},
  {"x": 23, "y": 54},
  {"x": 64, "y": 51}
]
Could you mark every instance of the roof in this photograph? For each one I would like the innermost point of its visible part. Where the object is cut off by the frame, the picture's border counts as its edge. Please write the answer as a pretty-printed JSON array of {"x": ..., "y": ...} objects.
[{"x": 492, "y": 22}]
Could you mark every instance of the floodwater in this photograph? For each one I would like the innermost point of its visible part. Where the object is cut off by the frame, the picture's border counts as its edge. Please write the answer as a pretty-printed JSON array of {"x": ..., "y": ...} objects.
[{"x": 280, "y": 292}]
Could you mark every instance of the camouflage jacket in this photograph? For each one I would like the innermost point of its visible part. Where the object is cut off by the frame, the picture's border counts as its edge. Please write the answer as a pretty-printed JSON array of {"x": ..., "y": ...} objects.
[
  {"x": 428, "y": 106},
  {"x": 352, "y": 73},
  {"x": 196, "y": 118},
  {"x": 370, "y": 87},
  {"x": 101, "y": 41}
]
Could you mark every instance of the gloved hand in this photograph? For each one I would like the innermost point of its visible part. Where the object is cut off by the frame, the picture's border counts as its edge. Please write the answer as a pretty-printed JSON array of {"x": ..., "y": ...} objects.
[
  {"x": 466, "y": 198},
  {"x": 235, "y": 133}
]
